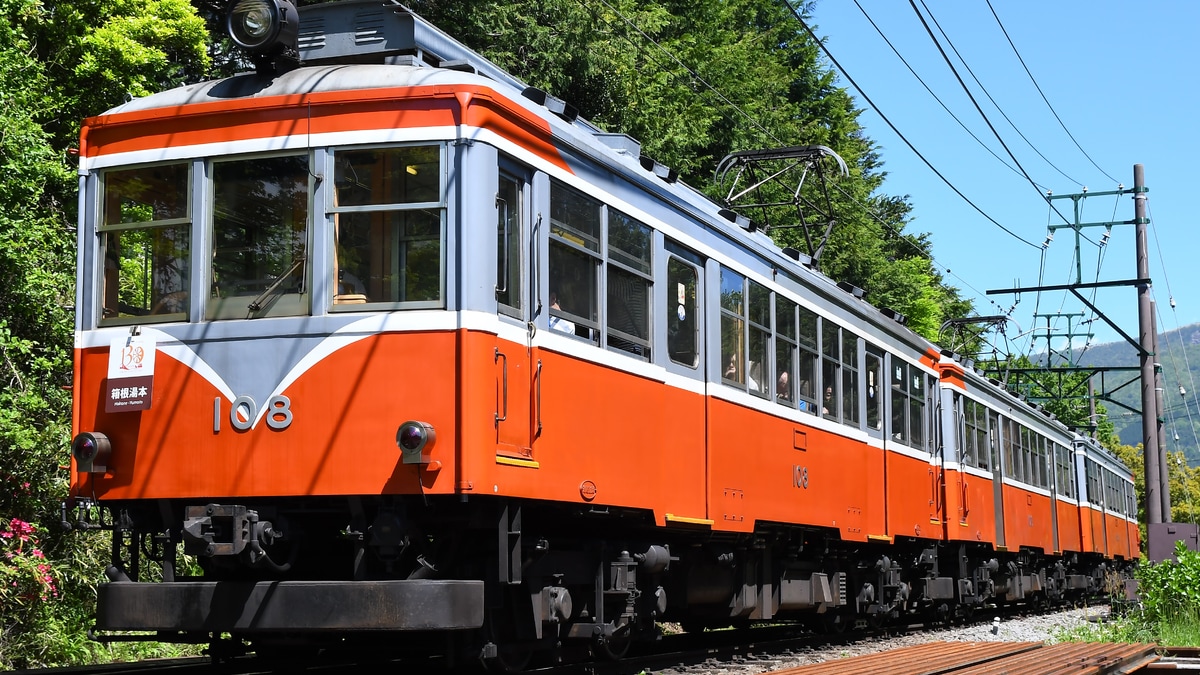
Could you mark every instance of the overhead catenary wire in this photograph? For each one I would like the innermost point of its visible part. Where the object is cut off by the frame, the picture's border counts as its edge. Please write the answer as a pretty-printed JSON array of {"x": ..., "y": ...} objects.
[
  {"x": 931, "y": 92},
  {"x": 1043, "y": 95},
  {"x": 978, "y": 108},
  {"x": 878, "y": 111},
  {"x": 993, "y": 100}
]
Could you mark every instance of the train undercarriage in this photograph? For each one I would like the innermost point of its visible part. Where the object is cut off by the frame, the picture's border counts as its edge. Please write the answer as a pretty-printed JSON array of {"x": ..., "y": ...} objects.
[{"x": 508, "y": 582}]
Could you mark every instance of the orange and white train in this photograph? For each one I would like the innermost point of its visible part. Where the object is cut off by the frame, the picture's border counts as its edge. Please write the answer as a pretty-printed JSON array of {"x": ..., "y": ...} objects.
[{"x": 377, "y": 343}]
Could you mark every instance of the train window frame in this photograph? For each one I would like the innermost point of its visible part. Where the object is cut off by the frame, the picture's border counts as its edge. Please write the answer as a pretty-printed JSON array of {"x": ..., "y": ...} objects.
[
  {"x": 264, "y": 302},
  {"x": 733, "y": 327},
  {"x": 808, "y": 359},
  {"x": 786, "y": 351},
  {"x": 571, "y": 248},
  {"x": 628, "y": 270},
  {"x": 831, "y": 361},
  {"x": 170, "y": 306},
  {"x": 851, "y": 348},
  {"x": 683, "y": 312},
  {"x": 874, "y": 394},
  {"x": 510, "y": 271},
  {"x": 388, "y": 220}
]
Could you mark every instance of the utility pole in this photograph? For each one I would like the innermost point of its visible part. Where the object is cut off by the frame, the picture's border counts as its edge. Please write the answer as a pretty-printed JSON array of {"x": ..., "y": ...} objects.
[
  {"x": 1160, "y": 433},
  {"x": 1153, "y": 477}
]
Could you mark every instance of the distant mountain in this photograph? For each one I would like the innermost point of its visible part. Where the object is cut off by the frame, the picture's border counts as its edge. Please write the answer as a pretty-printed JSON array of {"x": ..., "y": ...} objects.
[{"x": 1179, "y": 355}]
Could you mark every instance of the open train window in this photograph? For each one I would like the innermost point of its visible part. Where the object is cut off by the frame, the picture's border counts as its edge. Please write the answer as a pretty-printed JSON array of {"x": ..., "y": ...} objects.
[
  {"x": 145, "y": 244},
  {"x": 389, "y": 229}
]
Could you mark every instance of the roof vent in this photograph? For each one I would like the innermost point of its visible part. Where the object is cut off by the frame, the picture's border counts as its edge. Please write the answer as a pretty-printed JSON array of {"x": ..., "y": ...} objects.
[
  {"x": 555, "y": 105},
  {"x": 795, "y": 254},
  {"x": 737, "y": 219},
  {"x": 898, "y": 318},
  {"x": 661, "y": 170},
  {"x": 851, "y": 289}
]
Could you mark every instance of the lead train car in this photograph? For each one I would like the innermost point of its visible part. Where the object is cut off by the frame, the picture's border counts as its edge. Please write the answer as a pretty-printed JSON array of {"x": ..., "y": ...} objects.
[{"x": 388, "y": 343}]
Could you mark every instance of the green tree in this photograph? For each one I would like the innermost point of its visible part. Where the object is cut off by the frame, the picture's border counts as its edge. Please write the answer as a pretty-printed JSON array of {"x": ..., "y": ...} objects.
[
  {"x": 58, "y": 61},
  {"x": 696, "y": 81}
]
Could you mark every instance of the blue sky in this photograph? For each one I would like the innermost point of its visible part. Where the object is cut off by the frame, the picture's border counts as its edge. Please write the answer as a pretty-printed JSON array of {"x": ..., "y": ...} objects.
[{"x": 1122, "y": 78}]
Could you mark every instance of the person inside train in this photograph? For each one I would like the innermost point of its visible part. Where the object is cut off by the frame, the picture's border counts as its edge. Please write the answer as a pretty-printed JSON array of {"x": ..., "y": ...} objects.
[
  {"x": 783, "y": 388},
  {"x": 557, "y": 322},
  {"x": 731, "y": 367},
  {"x": 828, "y": 401}
]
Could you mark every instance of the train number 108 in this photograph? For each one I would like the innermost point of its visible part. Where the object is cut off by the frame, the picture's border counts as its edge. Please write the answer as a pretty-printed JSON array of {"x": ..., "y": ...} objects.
[
  {"x": 244, "y": 411},
  {"x": 800, "y": 476}
]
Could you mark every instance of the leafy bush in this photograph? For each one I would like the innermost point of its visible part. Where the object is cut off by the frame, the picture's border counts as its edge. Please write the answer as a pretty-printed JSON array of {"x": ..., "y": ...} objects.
[{"x": 1170, "y": 590}]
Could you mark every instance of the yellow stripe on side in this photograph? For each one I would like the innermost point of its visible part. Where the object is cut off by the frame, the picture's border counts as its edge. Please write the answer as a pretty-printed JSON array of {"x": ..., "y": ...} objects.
[
  {"x": 672, "y": 518},
  {"x": 879, "y": 537},
  {"x": 513, "y": 461}
]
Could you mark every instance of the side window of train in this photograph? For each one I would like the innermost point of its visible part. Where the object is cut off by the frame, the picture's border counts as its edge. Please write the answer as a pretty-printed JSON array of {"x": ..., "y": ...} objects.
[
  {"x": 630, "y": 281},
  {"x": 1012, "y": 443},
  {"x": 849, "y": 378},
  {"x": 830, "y": 365},
  {"x": 260, "y": 238},
  {"x": 808, "y": 360},
  {"x": 733, "y": 327},
  {"x": 682, "y": 311},
  {"x": 1093, "y": 482},
  {"x": 745, "y": 332},
  {"x": 874, "y": 390},
  {"x": 510, "y": 211},
  {"x": 388, "y": 227},
  {"x": 785, "y": 353},
  {"x": 145, "y": 243},
  {"x": 1064, "y": 474},
  {"x": 908, "y": 389},
  {"x": 574, "y": 260},
  {"x": 994, "y": 438},
  {"x": 975, "y": 434}
]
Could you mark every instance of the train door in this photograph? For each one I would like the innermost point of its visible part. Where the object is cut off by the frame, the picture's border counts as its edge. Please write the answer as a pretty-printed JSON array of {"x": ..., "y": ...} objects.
[
  {"x": 514, "y": 371},
  {"x": 999, "y": 464}
]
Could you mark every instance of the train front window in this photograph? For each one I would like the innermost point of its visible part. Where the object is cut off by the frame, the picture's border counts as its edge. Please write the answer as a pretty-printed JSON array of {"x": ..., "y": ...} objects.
[
  {"x": 145, "y": 243},
  {"x": 259, "y": 238},
  {"x": 387, "y": 214}
]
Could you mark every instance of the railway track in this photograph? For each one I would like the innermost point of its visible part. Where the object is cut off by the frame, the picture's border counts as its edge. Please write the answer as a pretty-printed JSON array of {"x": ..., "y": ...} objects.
[{"x": 751, "y": 650}]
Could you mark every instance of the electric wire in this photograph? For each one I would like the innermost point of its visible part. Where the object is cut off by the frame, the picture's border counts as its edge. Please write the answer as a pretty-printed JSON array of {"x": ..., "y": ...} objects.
[
  {"x": 978, "y": 108},
  {"x": 994, "y": 103},
  {"x": 1043, "y": 95},
  {"x": 892, "y": 126},
  {"x": 949, "y": 112}
]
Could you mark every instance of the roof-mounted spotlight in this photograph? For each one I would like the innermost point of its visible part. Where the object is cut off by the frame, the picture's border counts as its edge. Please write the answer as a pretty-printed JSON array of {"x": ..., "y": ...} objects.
[{"x": 268, "y": 30}]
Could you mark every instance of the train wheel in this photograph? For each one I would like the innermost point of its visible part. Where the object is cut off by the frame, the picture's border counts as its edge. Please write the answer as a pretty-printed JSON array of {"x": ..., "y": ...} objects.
[{"x": 616, "y": 646}]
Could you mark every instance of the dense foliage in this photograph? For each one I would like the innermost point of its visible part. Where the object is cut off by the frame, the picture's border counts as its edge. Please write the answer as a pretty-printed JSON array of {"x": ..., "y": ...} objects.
[
  {"x": 691, "y": 80},
  {"x": 58, "y": 61}
]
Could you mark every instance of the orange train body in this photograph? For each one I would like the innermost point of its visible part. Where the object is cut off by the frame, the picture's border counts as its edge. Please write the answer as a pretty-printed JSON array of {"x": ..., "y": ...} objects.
[{"x": 365, "y": 400}]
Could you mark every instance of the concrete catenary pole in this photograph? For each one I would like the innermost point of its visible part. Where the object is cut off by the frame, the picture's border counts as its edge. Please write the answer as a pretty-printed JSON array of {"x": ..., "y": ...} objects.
[
  {"x": 1153, "y": 473},
  {"x": 1164, "y": 466}
]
